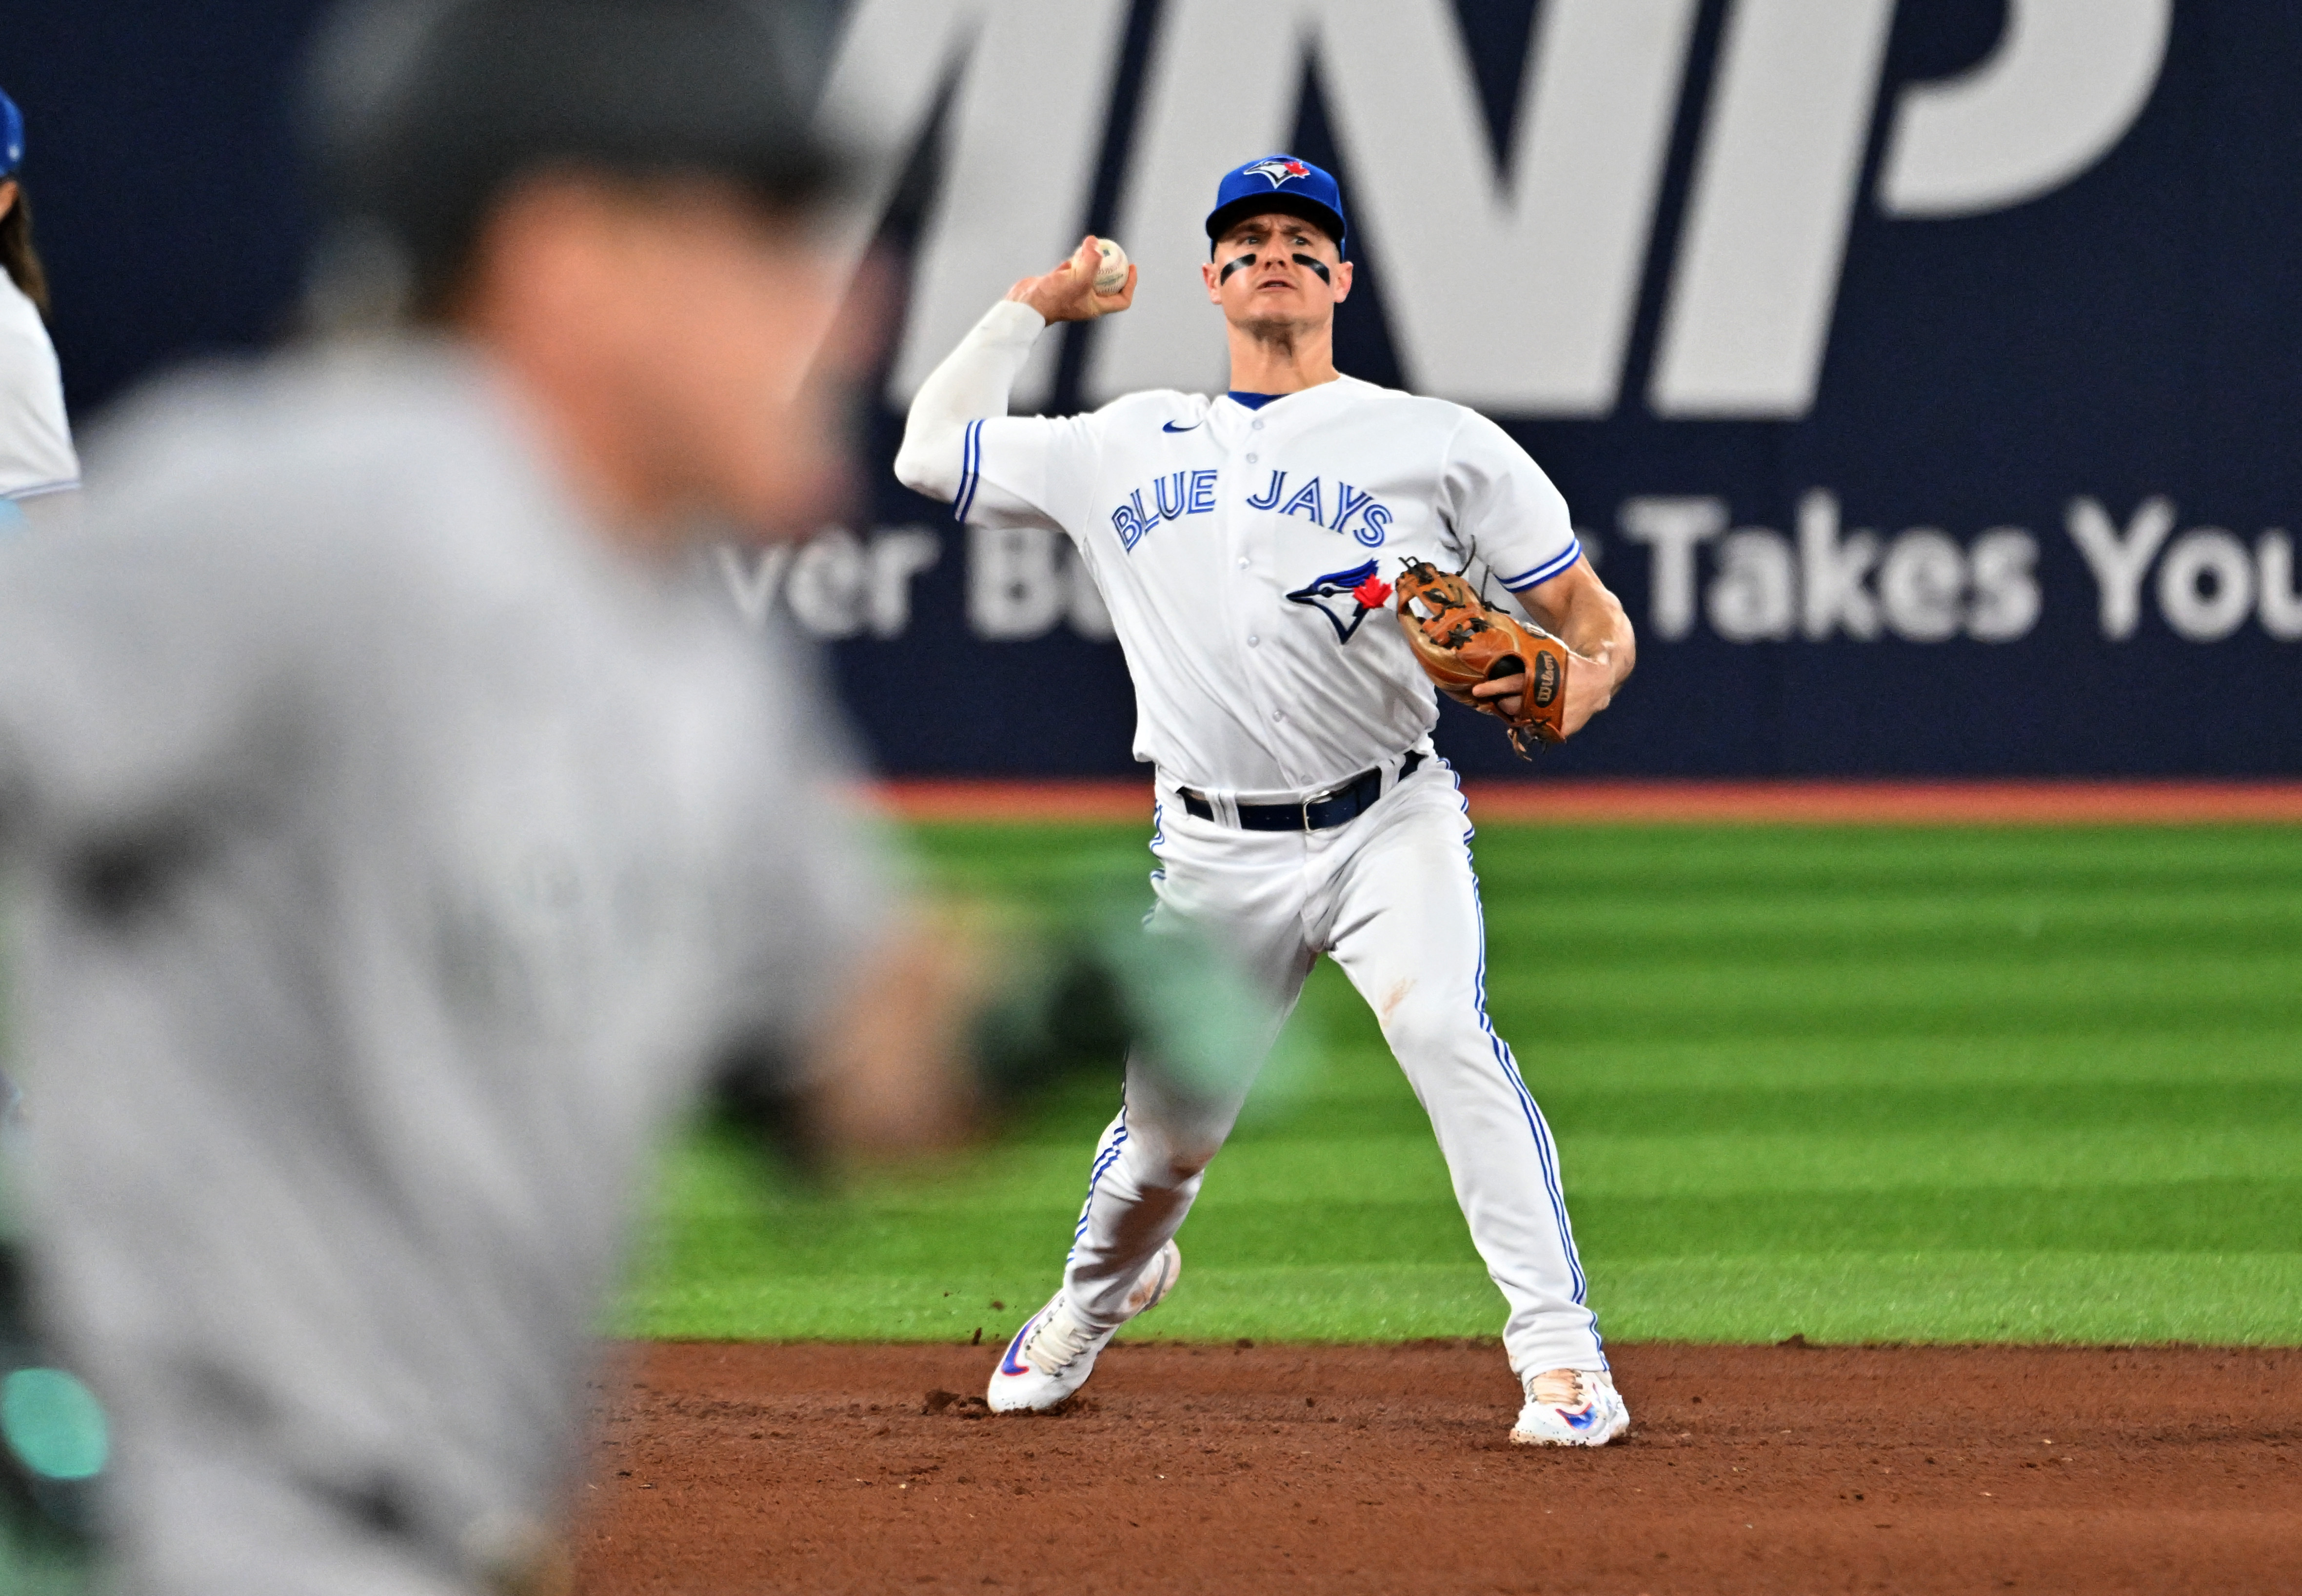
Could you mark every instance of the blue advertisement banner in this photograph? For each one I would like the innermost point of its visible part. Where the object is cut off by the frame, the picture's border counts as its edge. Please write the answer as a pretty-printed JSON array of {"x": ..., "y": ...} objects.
[{"x": 1925, "y": 377}]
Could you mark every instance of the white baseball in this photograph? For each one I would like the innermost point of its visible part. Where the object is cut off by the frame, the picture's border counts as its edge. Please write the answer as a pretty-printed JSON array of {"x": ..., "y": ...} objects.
[{"x": 1112, "y": 277}]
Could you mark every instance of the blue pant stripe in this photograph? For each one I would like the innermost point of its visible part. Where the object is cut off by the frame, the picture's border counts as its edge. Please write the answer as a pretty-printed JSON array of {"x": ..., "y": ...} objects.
[
  {"x": 1106, "y": 1156},
  {"x": 1546, "y": 1150},
  {"x": 1158, "y": 838}
]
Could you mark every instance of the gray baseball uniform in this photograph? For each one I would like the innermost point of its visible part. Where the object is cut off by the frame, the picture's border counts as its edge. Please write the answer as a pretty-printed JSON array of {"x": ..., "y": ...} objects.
[{"x": 393, "y": 854}]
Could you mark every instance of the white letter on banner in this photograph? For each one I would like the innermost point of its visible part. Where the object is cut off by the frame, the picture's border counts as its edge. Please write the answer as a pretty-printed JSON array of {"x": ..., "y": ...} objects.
[
  {"x": 1922, "y": 586},
  {"x": 1672, "y": 527},
  {"x": 2006, "y": 597},
  {"x": 1832, "y": 571},
  {"x": 1026, "y": 123},
  {"x": 1757, "y": 277},
  {"x": 897, "y": 556},
  {"x": 1755, "y": 596},
  {"x": 1219, "y": 90},
  {"x": 2205, "y": 585},
  {"x": 2063, "y": 85},
  {"x": 754, "y": 588},
  {"x": 2119, "y": 561},
  {"x": 1014, "y": 582},
  {"x": 1571, "y": 224},
  {"x": 2281, "y": 604},
  {"x": 825, "y": 589}
]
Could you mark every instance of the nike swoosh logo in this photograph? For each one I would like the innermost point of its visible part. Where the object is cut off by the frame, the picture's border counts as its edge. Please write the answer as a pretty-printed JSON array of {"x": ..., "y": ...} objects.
[
  {"x": 1172, "y": 427},
  {"x": 1007, "y": 1364}
]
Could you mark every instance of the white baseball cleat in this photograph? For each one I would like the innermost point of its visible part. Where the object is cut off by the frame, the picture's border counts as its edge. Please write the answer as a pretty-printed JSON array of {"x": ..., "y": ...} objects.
[
  {"x": 1053, "y": 1355},
  {"x": 1571, "y": 1407}
]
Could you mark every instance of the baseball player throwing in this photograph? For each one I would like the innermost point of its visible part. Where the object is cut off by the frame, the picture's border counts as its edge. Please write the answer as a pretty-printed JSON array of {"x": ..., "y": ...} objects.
[{"x": 1247, "y": 547}]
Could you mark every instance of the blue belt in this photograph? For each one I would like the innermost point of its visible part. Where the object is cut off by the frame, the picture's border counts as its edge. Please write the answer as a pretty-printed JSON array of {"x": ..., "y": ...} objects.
[{"x": 1353, "y": 799}]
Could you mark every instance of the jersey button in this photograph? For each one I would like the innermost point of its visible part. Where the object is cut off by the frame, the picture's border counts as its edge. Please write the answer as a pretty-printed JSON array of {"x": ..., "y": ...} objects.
[
  {"x": 1253, "y": 640},
  {"x": 1242, "y": 562},
  {"x": 1258, "y": 426},
  {"x": 1278, "y": 715},
  {"x": 1250, "y": 459}
]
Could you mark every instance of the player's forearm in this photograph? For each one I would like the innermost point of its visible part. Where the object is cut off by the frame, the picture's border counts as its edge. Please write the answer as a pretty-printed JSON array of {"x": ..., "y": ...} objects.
[
  {"x": 1580, "y": 610},
  {"x": 1598, "y": 628},
  {"x": 972, "y": 383}
]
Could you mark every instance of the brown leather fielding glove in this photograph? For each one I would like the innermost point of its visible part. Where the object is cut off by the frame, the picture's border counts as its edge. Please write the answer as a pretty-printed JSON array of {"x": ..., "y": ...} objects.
[{"x": 1461, "y": 643}]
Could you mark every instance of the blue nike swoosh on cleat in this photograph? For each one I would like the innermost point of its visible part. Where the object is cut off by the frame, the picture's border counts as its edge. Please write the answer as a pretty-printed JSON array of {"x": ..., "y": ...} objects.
[
  {"x": 1172, "y": 427},
  {"x": 1007, "y": 1364},
  {"x": 1583, "y": 1420}
]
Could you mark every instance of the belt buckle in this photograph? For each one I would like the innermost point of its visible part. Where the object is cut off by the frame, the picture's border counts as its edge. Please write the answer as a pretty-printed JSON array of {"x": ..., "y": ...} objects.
[{"x": 1328, "y": 796}]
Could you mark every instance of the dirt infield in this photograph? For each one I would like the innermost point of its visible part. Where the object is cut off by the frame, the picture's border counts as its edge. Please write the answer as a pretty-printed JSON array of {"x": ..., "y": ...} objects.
[
  {"x": 1690, "y": 802},
  {"x": 729, "y": 1469}
]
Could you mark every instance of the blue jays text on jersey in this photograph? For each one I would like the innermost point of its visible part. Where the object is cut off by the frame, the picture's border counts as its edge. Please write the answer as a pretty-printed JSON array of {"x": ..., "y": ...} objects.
[{"x": 1181, "y": 494}]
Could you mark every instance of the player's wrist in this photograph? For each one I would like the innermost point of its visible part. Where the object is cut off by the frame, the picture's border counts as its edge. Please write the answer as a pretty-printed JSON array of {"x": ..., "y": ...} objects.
[
  {"x": 1601, "y": 662},
  {"x": 1026, "y": 315},
  {"x": 1054, "y": 305}
]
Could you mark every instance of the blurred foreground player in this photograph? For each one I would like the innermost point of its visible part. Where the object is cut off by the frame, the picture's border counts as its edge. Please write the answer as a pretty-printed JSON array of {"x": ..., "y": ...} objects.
[
  {"x": 1241, "y": 544},
  {"x": 405, "y": 825}
]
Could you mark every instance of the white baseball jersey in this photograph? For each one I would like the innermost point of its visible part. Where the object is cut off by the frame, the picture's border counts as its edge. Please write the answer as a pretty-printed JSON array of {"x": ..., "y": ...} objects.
[
  {"x": 36, "y": 446},
  {"x": 1235, "y": 548}
]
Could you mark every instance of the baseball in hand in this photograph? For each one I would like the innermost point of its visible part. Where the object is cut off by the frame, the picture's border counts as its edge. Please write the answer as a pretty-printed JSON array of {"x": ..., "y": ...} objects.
[{"x": 1111, "y": 278}]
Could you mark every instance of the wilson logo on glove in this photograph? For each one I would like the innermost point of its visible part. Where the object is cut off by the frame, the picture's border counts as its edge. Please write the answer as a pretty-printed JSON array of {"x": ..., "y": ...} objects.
[
  {"x": 1460, "y": 643},
  {"x": 1548, "y": 679}
]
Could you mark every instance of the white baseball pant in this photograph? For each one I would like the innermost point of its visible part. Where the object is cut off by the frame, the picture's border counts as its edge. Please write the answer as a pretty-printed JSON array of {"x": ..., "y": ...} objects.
[{"x": 1391, "y": 896}]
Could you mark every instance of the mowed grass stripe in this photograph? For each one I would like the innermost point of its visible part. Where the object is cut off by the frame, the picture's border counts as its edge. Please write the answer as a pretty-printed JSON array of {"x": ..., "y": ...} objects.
[
  {"x": 1915, "y": 1085},
  {"x": 2191, "y": 1055},
  {"x": 2205, "y": 1216},
  {"x": 1762, "y": 861},
  {"x": 1854, "y": 1110},
  {"x": 2108, "y": 1299},
  {"x": 1036, "y": 1180}
]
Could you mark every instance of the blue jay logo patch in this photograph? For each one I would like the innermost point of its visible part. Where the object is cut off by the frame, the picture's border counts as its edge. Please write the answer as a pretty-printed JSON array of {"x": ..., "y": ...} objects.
[
  {"x": 1346, "y": 598},
  {"x": 1279, "y": 169}
]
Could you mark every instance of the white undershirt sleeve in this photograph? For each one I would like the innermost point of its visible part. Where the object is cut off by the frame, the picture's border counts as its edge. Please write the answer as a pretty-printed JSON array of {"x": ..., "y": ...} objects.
[{"x": 970, "y": 385}]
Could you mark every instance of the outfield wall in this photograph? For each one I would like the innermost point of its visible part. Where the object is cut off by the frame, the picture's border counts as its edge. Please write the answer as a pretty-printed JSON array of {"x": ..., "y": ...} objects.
[{"x": 1926, "y": 377}]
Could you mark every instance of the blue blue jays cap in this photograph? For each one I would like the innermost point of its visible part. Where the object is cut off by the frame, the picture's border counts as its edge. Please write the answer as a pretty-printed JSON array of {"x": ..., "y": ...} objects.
[
  {"x": 12, "y": 136},
  {"x": 1278, "y": 183}
]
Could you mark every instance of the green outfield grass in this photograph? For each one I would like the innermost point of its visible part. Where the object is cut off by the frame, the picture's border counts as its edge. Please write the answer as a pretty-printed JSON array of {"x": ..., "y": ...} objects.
[{"x": 1855, "y": 1084}]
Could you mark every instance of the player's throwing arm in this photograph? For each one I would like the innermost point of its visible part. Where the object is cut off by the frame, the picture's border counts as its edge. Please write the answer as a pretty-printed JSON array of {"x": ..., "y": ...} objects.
[{"x": 972, "y": 385}]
